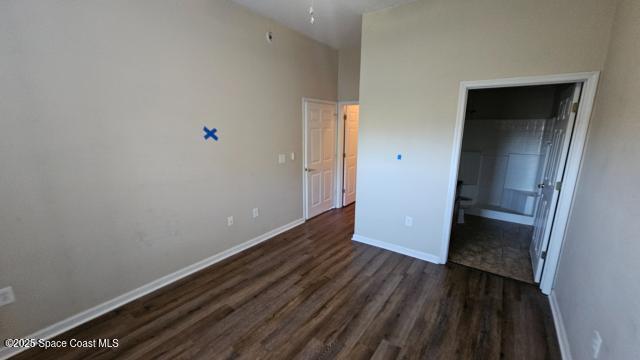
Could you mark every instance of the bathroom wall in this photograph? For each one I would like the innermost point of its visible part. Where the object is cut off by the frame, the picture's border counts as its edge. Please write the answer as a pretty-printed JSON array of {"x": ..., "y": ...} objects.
[
  {"x": 520, "y": 102},
  {"x": 501, "y": 150},
  {"x": 500, "y": 161}
]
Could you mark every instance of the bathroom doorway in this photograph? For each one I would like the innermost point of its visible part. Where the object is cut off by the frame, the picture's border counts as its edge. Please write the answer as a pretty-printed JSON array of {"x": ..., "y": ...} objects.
[{"x": 515, "y": 145}]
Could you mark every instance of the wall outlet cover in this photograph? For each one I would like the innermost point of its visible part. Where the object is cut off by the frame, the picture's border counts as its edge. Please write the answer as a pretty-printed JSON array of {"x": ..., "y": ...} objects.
[{"x": 229, "y": 220}]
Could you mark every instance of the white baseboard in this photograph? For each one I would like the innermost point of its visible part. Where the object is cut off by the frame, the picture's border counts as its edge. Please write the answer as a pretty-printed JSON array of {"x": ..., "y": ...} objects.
[
  {"x": 398, "y": 249},
  {"x": 563, "y": 341},
  {"x": 96, "y": 311},
  {"x": 500, "y": 215}
]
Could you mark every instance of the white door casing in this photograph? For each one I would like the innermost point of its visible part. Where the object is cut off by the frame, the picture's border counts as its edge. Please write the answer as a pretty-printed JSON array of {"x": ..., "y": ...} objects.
[
  {"x": 350, "y": 153},
  {"x": 589, "y": 81},
  {"x": 320, "y": 135},
  {"x": 556, "y": 141}
]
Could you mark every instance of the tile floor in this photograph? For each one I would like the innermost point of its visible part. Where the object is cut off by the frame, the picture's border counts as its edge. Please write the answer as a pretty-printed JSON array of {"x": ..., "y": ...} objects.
[{"x": 498, "y": 247}]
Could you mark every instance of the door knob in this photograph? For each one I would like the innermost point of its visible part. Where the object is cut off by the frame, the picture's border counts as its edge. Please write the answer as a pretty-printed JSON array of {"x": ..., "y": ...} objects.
[{"x": 309, "y": 170}]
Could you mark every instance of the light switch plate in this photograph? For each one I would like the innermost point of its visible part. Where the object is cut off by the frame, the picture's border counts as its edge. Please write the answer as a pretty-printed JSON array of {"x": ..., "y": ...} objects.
[
  {"x": 229, "y": 220},
  {"x": 281, "y": 158},
  {"x": 293, "y": 156}
]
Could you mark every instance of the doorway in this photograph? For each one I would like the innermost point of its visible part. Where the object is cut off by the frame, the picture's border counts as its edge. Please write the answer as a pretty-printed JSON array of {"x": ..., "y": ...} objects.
[
  {"x": 515, "y": 171},
  {"x": 350, "y": 116},
  {"x": 319, "y": 144}
]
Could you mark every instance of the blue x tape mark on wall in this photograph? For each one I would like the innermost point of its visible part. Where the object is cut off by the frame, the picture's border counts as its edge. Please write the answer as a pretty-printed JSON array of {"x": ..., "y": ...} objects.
[{"x": 210, "y": 133}]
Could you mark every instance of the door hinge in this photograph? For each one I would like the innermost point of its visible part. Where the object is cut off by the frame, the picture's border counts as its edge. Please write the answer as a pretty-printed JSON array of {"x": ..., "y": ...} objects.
[
  {"x": 558, "y": 185},
  {"x": 344, "y": 155},
  {"x": 543, "y": 256},
  {"x": 345, "y": 117},
  {"x": 575, "y": 108},
  {"x": 344, "y": 191}
]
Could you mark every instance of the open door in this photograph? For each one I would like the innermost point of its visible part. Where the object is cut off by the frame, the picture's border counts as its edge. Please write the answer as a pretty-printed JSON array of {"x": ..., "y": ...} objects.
[
  {"x": 350, "y": 153},
  {"x": 320, "y": 164},
  {"x": 556, "y": 141}
]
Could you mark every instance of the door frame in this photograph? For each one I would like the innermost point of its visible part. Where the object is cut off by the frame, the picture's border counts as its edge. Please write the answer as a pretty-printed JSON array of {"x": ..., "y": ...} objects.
[
  {"x": 305, "y": 185},
  {"x": 572, "y": 167},
  {"x": 340, "y": 152}
]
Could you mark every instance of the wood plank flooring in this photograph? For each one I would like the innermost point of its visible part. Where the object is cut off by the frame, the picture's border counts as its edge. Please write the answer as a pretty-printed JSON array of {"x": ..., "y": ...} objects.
[{"x": 312, "y": 293}]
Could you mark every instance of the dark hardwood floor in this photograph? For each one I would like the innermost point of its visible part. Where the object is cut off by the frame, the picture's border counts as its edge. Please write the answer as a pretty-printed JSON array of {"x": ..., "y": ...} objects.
[{"x": 312, "y": 293}]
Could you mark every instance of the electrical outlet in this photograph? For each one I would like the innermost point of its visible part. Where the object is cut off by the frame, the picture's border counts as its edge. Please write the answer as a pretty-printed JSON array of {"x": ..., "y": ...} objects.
[
  {"x": 408, "y": 221},
  {"x": 596, "y": 344},
  {"x": 6, "y": 296},
  {"x": 281, "y": 158},
  {"x": 256, "y": 212},
  {"x": 229, "y": 220}
]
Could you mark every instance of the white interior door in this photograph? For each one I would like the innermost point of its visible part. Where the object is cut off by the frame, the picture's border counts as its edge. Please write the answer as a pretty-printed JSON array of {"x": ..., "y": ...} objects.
[
  {"x": 556, "y": 139},
  {"x": 350, "y": 153},
  {"x": 320, "y": 163}
]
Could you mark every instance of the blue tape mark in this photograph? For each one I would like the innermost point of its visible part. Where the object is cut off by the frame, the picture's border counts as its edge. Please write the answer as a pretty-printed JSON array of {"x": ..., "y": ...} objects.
[
  {"x": 399, "y": 157},
  {"x": 210, "y": 133}
]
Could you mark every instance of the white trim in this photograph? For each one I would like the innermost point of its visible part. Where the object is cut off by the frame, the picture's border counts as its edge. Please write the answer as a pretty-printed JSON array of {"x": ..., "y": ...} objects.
[
  {"x": 569, "y": 182},
  {"x": 340, "y": 162},
  {"x": 397, "y": 249},
  {"x": 329, "y": 102},
  {"x": 305, "y": 100},
  {"x": 500, "y": 215},
  {"x": 574, "y": 160},
  {"x": 563, "y": 340},
  {"x": 531, "y": 80},
  {"x": 453, "y": 170},
  {"x": 109, "y": 305},
  {"x": 304, "y": 158}
]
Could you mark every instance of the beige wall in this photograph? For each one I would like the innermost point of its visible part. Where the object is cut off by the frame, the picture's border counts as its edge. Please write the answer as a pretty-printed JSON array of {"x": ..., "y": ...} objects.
[
  {"x": 598, "y": 283},
  {"x": 106, "y": 181},
  {"x": 413, "y": 59},
  {"x": 349, "y": 74}
]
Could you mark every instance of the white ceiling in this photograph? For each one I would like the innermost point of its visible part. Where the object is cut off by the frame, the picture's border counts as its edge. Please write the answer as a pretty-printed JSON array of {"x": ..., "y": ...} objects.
[{"x": 337, "y": 22}]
